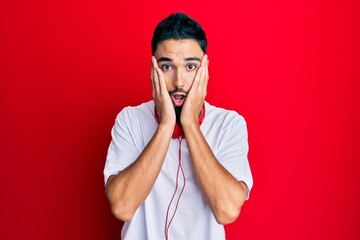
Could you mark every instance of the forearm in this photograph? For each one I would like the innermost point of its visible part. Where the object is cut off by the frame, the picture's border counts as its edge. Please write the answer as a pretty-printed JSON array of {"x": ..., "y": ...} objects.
[
  {"x": 127, "y": 190},
  {"x": 224, "y": 194}
]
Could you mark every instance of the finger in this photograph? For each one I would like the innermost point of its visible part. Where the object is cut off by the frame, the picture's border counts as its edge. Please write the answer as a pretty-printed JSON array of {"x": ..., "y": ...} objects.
[
  {"x": 162, "y": 82},
  {"x": 200, "y": 80},
  {"x": 204, "y": 60},
  {"x": 152, "y": 79},
  {"x": 160, "y": 77},
  {"x": 155, "y": 76},
  {"x": 206, "y": 73},
  {"x": 203, "y": 64},
  {"x": 154, "y": 61},
  {"x": 195, "y": 83},
  {"x": 206, "y": 80},
  {"x": 204, "y": 76}
]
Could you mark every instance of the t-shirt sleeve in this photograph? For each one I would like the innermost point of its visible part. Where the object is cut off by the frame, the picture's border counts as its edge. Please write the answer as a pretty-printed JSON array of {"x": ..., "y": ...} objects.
[
  {"x": 233, "y": 152},
  {"x": 122, "y": 150}
]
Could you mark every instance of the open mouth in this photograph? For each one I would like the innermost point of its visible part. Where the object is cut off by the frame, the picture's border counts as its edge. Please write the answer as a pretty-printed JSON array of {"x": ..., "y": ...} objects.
[{"x": 178, "y": 99}]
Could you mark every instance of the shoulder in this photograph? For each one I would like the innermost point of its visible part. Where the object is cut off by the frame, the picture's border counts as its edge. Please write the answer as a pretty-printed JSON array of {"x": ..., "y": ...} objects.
[
  {"x": 131, "y": 113},
  {"x": 219, "y": 114}
]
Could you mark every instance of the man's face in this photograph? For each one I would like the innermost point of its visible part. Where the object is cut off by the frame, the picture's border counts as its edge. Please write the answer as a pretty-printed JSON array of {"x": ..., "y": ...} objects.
[{"x": 179, "y": 61}]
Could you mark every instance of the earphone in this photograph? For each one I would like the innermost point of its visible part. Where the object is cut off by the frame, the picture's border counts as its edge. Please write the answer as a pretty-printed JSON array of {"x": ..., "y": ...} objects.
[
  {"x": 178, "y": 131},
  {"x": 168, "y": 223},
  {"x": 177, "y": 134}
]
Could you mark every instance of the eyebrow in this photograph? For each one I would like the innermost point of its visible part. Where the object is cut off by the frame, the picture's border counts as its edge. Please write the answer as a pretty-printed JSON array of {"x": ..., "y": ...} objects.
[
  {"x": 166, "y": 59},
  {"x": 193, "y": 59}
]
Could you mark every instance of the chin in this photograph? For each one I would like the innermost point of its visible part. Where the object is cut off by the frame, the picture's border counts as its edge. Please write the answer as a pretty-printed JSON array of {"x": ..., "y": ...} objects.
[{"x": 178, "y": 113}]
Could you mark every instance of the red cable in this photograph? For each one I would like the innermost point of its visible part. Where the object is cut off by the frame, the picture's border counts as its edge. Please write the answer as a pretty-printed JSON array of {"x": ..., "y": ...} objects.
[{"x": 182, "y": 190}]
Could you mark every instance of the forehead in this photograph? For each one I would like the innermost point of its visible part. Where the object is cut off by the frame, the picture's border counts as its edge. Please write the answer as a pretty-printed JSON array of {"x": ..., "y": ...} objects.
[{"x": 178, "y": 49}]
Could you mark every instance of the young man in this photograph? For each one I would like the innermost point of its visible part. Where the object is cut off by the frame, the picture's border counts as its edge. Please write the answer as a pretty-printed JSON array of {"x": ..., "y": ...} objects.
[{"x": 177, "y": 166}]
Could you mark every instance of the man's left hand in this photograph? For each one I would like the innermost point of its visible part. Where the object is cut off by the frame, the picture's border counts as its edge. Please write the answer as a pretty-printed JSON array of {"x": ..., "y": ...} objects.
[{"x": 194, "y": 100}]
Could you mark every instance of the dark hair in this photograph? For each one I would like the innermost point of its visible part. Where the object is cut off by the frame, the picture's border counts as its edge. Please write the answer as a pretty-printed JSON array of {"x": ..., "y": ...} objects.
[{"x": 178, "y": 26}]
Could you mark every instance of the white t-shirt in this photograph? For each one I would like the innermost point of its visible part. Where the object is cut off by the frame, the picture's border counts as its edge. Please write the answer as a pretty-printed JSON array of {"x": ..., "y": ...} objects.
[{"x": 172, "y": 197}]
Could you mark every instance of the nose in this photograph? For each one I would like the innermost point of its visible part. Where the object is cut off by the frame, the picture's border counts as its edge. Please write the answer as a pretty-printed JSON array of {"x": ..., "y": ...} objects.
[{"x": 179, "y": 81}]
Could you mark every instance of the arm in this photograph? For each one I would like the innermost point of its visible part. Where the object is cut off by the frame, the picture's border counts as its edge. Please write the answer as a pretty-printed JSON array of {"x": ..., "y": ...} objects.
[
  {"x": 127, "y": 190},
  {"x": 224, "y": 194}
]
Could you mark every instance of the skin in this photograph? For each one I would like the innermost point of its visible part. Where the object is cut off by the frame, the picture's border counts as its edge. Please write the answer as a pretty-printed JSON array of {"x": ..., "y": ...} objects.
[{"x": 178, "y": 64}]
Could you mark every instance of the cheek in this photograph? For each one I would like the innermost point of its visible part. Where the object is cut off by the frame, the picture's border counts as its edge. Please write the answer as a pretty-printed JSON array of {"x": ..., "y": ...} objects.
[
  {"x": 189, "y": 77},
  {"x": 169, "y": 80}
]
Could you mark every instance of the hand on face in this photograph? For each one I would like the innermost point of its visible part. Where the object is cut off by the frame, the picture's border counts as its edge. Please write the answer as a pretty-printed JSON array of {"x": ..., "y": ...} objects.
[
  {"x": 194, "y": 100},
  {"x": 164, "y": 105}
]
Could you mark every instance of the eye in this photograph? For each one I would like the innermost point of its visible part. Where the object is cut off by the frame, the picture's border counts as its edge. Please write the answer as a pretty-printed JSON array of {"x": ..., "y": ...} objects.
[
  {"x": 166, "y": 67},
  {"x": 191, "y": 67}
]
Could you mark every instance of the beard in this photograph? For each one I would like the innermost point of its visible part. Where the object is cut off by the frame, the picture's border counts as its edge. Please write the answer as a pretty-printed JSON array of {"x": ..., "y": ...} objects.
[
  {"x": 178, "y": 114},
  {"x": 178, "y": 108}
]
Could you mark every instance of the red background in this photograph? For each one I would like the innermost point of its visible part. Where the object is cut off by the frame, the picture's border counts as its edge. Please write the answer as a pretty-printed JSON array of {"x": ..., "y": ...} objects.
[{"x": 291, "y": 68}]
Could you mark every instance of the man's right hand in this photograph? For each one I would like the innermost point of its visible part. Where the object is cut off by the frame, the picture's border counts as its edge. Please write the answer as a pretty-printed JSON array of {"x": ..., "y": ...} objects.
[
  {"x": 127, "y": 190},
  {"x": 163, "y": 103}
]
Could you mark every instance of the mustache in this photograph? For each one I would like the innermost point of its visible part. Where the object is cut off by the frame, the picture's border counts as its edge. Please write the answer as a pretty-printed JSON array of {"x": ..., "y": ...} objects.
[{"x": 178, "y": 90}]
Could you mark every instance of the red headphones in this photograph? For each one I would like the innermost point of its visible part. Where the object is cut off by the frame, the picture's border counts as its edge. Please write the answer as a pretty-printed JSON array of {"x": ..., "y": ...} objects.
[{"x": 178, "y": 131}]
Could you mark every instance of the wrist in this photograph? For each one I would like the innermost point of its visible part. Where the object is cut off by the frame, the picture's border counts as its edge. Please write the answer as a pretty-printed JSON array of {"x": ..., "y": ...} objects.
[
  {"x": 166, "y": 128},
  {"x": 189, "y": 121},
  {"x": 190, "y": 125}
]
